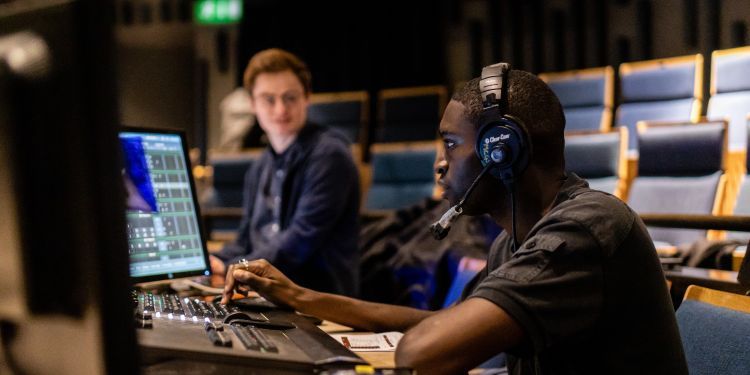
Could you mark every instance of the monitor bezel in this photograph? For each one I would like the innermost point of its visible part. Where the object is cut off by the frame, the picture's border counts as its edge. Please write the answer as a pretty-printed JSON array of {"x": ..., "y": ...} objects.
[{"x": 185, "y": 150}]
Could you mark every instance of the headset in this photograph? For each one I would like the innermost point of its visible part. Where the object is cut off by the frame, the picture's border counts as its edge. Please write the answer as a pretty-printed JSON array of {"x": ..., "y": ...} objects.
[
  {"x": 501, "y": 141},
  {"x": 501, "y": 145}
]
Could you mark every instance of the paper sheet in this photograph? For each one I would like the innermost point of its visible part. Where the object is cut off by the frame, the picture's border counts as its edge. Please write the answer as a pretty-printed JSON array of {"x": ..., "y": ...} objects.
[{"x": 369, "y": 342}]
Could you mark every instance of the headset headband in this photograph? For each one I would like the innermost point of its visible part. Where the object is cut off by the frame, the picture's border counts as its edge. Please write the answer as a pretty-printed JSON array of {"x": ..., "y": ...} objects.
[{"x": 493, "y": 87}]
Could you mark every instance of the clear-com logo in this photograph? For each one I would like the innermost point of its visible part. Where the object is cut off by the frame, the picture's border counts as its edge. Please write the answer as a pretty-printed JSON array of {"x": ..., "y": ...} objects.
[{"x": 496, "y": 139}]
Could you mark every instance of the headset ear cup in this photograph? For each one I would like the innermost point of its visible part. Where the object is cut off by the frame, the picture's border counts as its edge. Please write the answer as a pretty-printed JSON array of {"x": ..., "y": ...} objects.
[{"x": 504, "y": 140}]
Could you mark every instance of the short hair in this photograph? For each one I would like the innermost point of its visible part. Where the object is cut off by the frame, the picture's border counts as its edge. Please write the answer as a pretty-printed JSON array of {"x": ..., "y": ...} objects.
[
  {"x": 532, "y": 102},
  {"x": 274, "y": 60}
]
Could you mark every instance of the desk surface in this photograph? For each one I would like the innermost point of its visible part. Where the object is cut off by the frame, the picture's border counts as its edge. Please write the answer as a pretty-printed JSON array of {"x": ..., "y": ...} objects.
[{"x": 375, "y": 359}]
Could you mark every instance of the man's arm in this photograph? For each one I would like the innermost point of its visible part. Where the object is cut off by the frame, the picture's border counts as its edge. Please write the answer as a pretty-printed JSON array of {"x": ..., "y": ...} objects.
[
  {"x": 270, "y": 283},
  {"x": 458, "y": 339}
]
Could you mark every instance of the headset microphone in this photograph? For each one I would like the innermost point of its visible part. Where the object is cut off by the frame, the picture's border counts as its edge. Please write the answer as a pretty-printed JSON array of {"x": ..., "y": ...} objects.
[{"x": 441, "y": 227}]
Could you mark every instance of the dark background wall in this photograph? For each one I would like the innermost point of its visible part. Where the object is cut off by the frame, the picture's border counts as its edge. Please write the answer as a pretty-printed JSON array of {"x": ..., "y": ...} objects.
[
  {"x": 401, "y": 43},
  {"x": 352, "y": 45}
]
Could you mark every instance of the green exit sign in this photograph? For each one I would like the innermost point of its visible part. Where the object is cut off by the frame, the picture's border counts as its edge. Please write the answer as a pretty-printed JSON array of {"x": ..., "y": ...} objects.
[{"x": 217, "y": 12}]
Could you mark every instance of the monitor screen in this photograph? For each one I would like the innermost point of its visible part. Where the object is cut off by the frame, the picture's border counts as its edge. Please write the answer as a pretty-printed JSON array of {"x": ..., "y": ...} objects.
[{"x": 165, "y": 239}]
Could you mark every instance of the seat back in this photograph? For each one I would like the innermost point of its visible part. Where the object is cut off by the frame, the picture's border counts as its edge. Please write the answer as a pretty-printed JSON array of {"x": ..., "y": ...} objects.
[
  {"x": 401, "y": 174},
  {"x": 680, "y": 171},
  {"x": 467, "y": 268},
  {"x": 741, "y": 205},
  {"x": 228, "y": 177},
  {"x": 715, "y": 331},
  {"x": 659, "y": 90},
  {"x": 409, "y": 114},
  {"x": 599, "y": 157},
  {"x": 345, "y": 111},
  {"x": 730, "y": 92},
  {"x": 587, "y": 97},
  {"x": 226, "y": 188}
]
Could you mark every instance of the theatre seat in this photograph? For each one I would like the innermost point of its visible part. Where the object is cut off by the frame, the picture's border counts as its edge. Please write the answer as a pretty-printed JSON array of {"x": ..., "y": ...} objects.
[
  {"x": 599, "y": 157},
  {"x": 741, "y": 204},
  {"x": 401, "y": 174},
  {"x": 228, "y": 177},
  {"x": 467, "y": 268},
  {"x": 730, "y": 100},
  {"x": 659, "y": 90},
  {"x": 409, "y": 114},
  {"x": 715, "y": 331},
  {"x": 730, "y": 92},
  {"x": 227, "y": 188},
  {"x": 587, "y": 97},
  {"x": 345, "y": 111},
  {"x": 680, "y": 171}
]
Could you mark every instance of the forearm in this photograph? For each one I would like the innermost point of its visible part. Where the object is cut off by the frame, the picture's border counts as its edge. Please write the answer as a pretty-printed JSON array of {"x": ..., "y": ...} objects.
[
  {"x": 438, "y": 345},
  {"x": 270, "y": 283},
  {"x": 358, "y": 314}
]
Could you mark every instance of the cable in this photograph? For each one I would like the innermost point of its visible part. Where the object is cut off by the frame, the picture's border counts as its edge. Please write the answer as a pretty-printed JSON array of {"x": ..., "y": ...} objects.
[
  {"x": 474, "y": 183},
  {"x": 512, "y": 189},
  {"x": 441, "y": 227}
]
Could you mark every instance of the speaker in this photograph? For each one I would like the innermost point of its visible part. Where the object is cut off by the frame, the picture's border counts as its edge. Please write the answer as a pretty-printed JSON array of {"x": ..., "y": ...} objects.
[{"x": 501, "y": 140}]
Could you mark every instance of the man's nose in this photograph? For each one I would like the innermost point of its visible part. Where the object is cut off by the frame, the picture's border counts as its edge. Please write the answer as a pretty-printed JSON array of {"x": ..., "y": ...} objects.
[
  {"x": 441, "y": 166},
  {"x": 280, "y": 106}
]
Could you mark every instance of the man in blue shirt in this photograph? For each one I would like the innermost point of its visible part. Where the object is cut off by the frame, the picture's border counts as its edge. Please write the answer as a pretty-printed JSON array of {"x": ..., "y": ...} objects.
[{"x": 302, "y": 195}]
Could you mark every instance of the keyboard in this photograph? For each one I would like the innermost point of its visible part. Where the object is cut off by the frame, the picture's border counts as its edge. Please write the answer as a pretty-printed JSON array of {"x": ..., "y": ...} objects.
[
  {"x": 178, "y": 330},
  {"x": 189, "y": 309}
]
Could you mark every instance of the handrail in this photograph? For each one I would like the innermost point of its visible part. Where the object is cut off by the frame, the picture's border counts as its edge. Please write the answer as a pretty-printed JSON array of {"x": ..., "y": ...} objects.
[{"x": 689, "y": 221}]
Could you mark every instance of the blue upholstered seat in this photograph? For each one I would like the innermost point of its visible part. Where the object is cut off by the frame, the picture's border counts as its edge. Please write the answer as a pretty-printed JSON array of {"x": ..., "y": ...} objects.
[
  {"x": 409, "y": 114},
  {"x": 680, "y": 171},
  {"x": 227, "y": 190},
  {"x": 402, "y": 175},
  {"x": 730, "y": 92},
  {"x": 345, "y": 111},
  {"x": 742, "y": 203},
  {"x": 715, "y": 331},
  {"x": 467, "y": 268},
  {"x": 229, "y": 178},
  {"x": 599, "y": 158},
  {"x": 659, "y": 90},
  {"x": 586, "y": 95}
]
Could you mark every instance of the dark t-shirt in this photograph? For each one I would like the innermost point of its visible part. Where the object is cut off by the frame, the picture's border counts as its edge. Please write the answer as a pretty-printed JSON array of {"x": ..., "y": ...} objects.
[{"x": 587, "y": 288}]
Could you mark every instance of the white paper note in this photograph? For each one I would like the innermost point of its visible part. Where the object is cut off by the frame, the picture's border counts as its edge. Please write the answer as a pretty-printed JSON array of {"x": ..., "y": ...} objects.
[{"x": 369, "y": 342}]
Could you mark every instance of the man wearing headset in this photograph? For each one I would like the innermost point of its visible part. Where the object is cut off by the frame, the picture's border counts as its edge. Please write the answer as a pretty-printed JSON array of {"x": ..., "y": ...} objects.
[{"x": 572, "y": 286}]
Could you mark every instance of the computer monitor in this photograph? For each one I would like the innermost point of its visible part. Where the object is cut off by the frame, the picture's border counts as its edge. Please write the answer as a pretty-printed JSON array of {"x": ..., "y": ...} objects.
[{"x": 165, "y": 238}]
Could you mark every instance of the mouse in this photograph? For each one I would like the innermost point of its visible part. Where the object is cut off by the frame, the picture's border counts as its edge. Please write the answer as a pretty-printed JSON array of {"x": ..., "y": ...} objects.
[
  {"x": 245, "y": 315},
  {"x": 258, "y": 304},
  {"x": 256, "y": 320}
]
